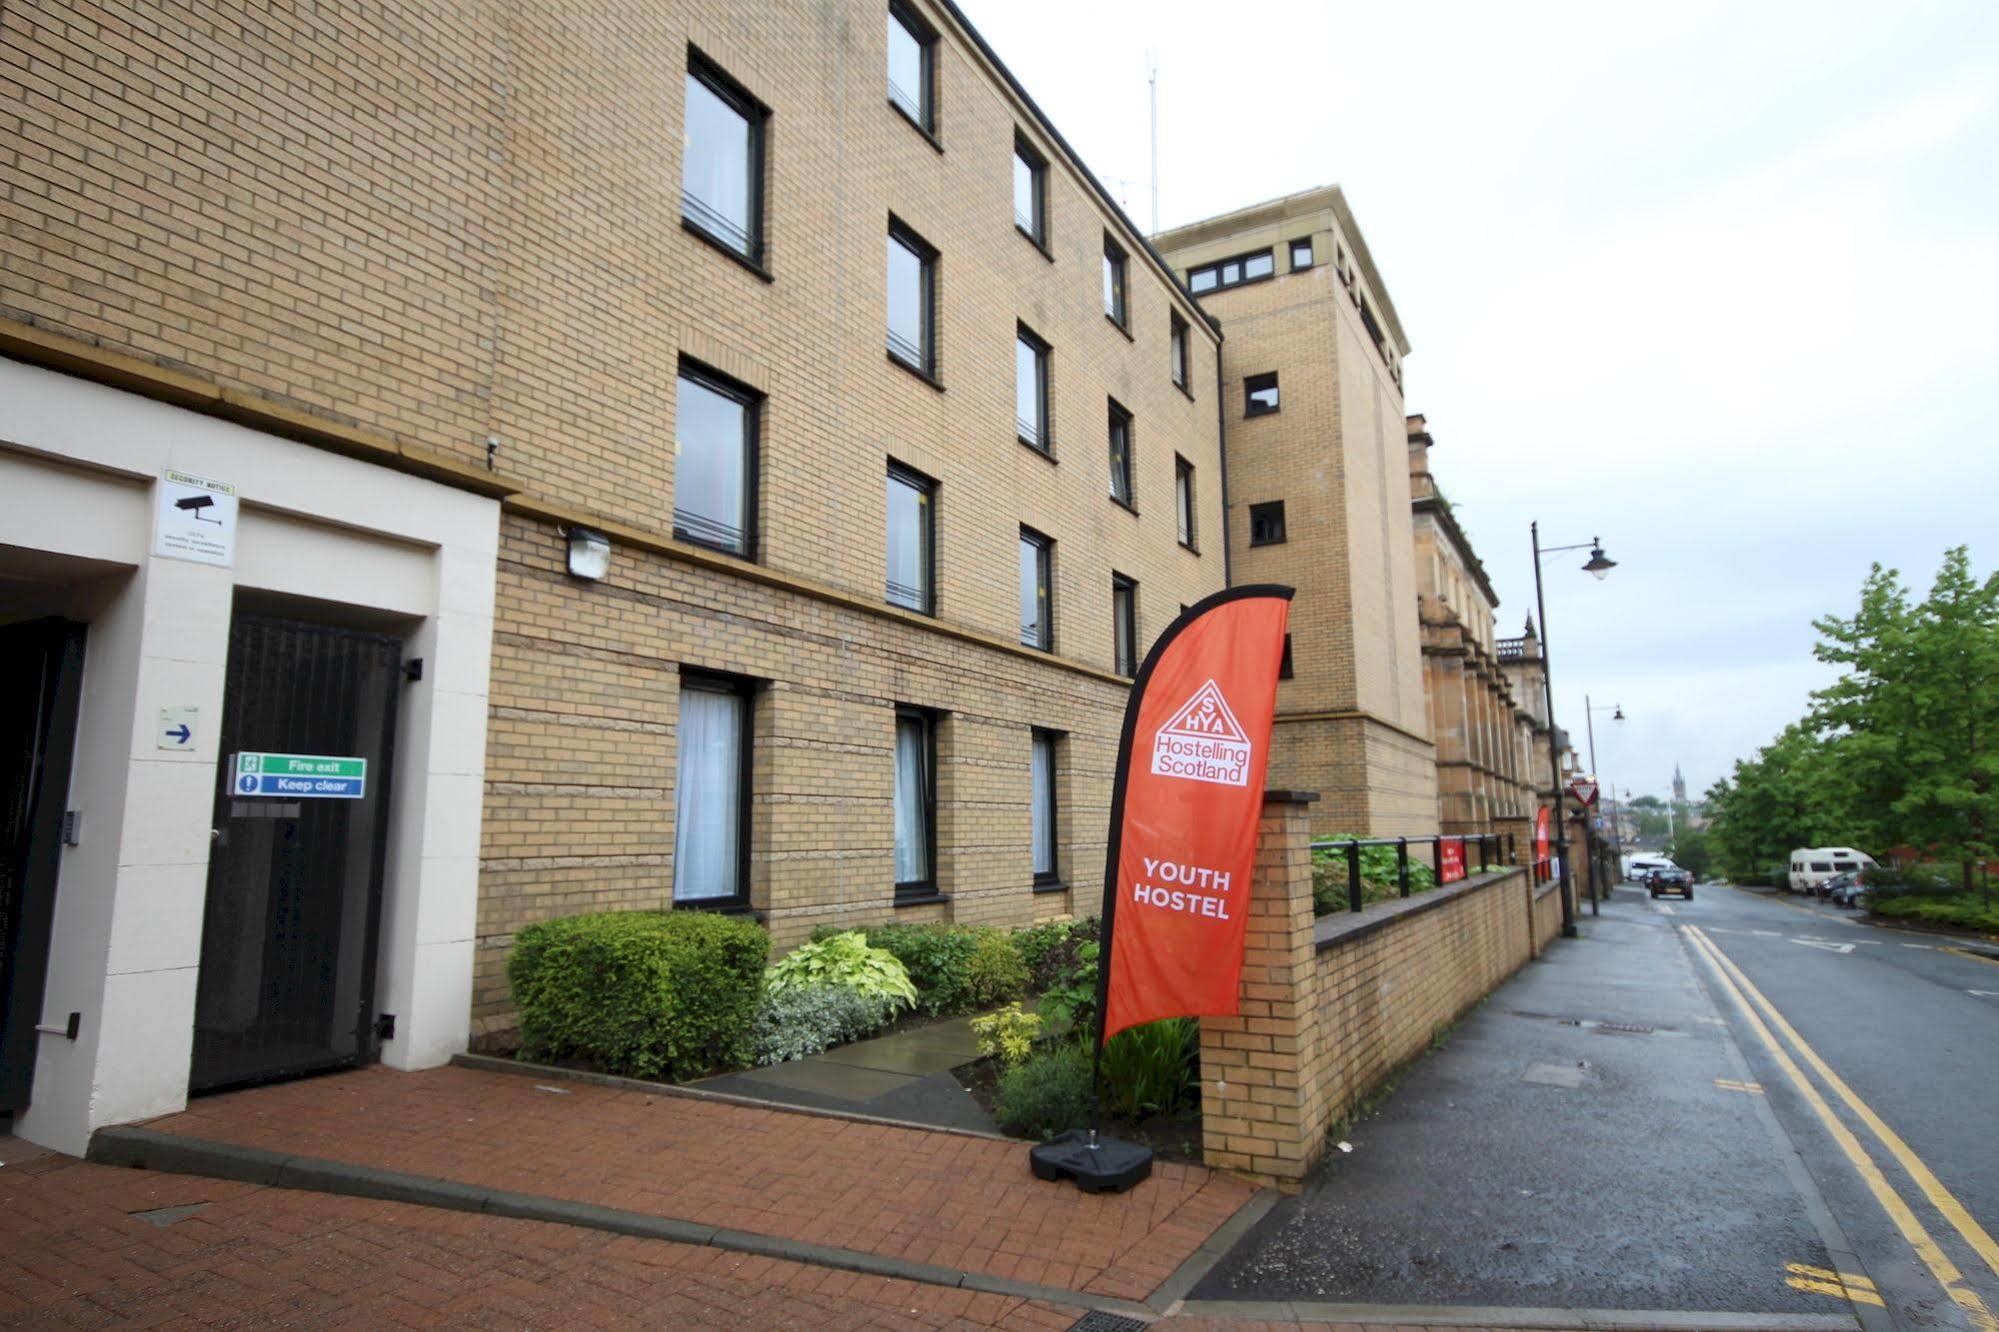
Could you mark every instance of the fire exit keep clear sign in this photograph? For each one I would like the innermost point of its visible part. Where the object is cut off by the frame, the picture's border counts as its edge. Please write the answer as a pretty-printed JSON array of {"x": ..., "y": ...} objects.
[{"x": 301, "y": 776}]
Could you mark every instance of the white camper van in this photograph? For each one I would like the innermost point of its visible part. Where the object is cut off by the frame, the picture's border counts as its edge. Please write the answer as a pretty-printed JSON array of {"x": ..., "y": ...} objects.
[
  {"x": 1638, "y": 866},
  {"x": 1813, "y": 865}
]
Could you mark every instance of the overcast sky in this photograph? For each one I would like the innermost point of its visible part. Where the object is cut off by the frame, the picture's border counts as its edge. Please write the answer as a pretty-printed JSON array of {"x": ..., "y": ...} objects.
[{"x": 1718, "y": 282}]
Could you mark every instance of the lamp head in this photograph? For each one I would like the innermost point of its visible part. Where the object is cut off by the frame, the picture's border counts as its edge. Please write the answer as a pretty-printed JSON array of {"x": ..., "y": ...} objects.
[
  {"x": 1618, "y": 715},
  {"x": 1599, "y": 563},
  {"x": 589, "y": 554}
]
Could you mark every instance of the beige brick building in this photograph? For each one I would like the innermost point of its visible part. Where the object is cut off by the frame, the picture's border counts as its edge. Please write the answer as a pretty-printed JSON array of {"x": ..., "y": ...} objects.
[
  {"x": 730, "y": 561},
  {"x": 1319, "y": 497},
  {"x": 1484, "y": 713}
]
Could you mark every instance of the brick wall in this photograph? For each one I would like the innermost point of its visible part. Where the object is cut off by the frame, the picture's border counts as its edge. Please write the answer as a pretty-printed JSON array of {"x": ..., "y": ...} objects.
[
  {"x": 1330, "y": 1008},
  {"x": 449, "y": 228}
]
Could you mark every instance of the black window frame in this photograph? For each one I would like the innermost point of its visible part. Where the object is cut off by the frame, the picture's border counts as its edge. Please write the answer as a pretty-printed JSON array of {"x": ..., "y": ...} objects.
[
  {"x": 752, "y": 402},
  {"x": 1043, "y": 373},
  {"x": 1117, "y": 266},
  {"x": 924, "y": 115},
  {"x": 1269, "y": 516},
  {"x": 910, "y": 891},
  {"x": 1045, "y": 588},
  {"x": 1310, "y": 257},
  {"x": 1124, "y": 624},
  {"x": 745, "y": 103},
  {"x": 927, "y": 487},
  {"x": 910, "y": 239},
  {"x": 1177, "y": 342},
  {"x": 1185, "y": 504},
  {"x": 1037, "y": 166},
  {"x": 1284, "y": 666},
  {"x": 1241, "y": 262},
  {"x": 1050, "y": 878},
  {"x": 1118, "y": 418},
  {"x": 1252, "y": 385},
  {"x": 744, "y": 688}
]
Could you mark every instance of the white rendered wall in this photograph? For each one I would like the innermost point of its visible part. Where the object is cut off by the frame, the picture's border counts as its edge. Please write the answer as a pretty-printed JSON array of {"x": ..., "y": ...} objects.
[{"x": 126, "y": 944}]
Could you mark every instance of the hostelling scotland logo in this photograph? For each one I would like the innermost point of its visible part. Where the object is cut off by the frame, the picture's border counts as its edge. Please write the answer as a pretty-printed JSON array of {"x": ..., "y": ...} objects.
[{"x": 1203, "y": 742}]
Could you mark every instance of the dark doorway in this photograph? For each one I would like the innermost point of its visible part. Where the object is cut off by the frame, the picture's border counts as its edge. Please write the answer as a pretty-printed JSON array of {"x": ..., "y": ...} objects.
[
  {"x": 41, "y": 678},
  {"x": 295, "y": 879}
]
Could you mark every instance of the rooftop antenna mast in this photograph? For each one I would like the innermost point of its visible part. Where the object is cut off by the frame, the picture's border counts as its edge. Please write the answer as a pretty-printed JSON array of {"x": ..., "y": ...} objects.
[{"x": 1152, "y": 84}]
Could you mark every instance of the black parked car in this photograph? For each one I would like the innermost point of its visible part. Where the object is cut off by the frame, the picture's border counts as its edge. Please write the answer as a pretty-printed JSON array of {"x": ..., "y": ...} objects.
[{"x": 1673, "y": 880}]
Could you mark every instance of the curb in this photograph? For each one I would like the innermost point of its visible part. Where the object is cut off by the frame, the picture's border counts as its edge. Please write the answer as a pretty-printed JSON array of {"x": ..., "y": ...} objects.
[
  {"x": 146, "y": 1149},
  {"x": 1583, "y": 1320},
  {"x": 553, "y": 1072}
]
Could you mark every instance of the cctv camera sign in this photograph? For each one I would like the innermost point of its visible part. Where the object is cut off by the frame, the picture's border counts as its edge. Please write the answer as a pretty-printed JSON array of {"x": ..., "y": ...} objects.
[{"x": 197, "y": 519}]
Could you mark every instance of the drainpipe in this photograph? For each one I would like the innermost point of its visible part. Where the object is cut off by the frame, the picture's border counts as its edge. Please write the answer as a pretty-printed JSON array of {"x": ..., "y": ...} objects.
[{"x": 1222, "y": 448}]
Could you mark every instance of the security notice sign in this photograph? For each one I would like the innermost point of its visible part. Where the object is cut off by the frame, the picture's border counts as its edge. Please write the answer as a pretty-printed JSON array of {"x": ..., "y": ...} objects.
[
  {"x": 1451, "y": 859},
  {"x": 301, "y": 776},
  {"x": 197, "y": 519}
]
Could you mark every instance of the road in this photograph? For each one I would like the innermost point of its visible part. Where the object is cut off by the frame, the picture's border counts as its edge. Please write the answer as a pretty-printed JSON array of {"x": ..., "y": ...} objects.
[
  {"x": 1686, "y": 1168},
  {"x": 1909, "y": 1024}
]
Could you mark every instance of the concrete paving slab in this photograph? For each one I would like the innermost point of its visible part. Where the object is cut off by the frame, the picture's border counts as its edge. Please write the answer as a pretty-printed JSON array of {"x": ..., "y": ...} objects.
[
  {"x": 890, "y": 1054},
  {"x": 844, "y": 1082}
]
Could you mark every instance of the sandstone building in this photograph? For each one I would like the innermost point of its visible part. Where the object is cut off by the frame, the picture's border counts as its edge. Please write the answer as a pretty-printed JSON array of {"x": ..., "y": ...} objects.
[
  {"x": 1485, "y": 712},
  {"x": 720, "y": 455},
  {"x": 1318, "y": 493}
]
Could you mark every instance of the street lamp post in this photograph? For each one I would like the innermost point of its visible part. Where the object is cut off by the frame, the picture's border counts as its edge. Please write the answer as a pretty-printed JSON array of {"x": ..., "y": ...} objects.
[
  {"x": 1599, "y": 566},
  {"x": 1616, "y": 712}
]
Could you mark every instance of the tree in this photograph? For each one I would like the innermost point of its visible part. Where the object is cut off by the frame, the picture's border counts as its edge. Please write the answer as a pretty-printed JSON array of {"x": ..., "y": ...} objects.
[
  {"x": 1916, "y": 710},
  {"x": 1790, "y": 795},
  {"x": 1692, "y": 850}
]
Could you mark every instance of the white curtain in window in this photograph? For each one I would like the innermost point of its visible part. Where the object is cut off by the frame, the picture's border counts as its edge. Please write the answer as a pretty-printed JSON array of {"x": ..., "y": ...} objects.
[
  {"x": 912, "y": 835},
  {"x": 715, "y": 165},
  {"x": 1044, "y": 804},
  {"x": 708, "y": 795}
]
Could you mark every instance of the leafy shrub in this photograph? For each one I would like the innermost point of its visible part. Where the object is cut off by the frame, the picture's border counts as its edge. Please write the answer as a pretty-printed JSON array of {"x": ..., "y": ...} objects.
[
  {"x": 803, "y": 1020},
  {"x": 1151, "y": 1069},
  {"x": 1049, "y": 949},
  {"x": 1047, "y": 1094},
  {"x": 994, "y": 973},
  {"x": 1008, "y": 1035},
  {"x": 847, "y": 961},
  {"x": 640, "y": 993},
  {"x": 1884, "y": 881},
  {"x": 1378, "y": 878},
  {"x": 936, "y": 957},
  {"x": 1963, "y": 911},
  {"x": 1070, "y": 1000}
]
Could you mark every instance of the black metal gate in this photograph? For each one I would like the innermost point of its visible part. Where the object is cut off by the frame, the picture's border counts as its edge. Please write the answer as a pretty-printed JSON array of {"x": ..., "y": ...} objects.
[
  {"x": 295, "y": 878},
  {"x": 41, "y": 678}
]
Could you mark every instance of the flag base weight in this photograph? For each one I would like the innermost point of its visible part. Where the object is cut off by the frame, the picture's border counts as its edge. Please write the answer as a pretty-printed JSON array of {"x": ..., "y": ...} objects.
[{"x": 1097, "y": 1164}]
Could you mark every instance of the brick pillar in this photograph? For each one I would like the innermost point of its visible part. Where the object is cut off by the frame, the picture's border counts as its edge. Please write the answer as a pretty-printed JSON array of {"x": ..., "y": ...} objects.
[{"x": 1263, "y": 1113}]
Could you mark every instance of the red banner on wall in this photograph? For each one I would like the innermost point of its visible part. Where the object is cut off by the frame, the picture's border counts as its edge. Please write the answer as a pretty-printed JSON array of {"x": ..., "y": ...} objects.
[
  {"x": 1185, "y": 807},
  {"x": 1451, "y": 856},
  {"x": 1541, "y": 861}
]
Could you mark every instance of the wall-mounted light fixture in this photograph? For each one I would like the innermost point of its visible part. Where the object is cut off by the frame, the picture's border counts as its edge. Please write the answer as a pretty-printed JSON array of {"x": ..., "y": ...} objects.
[{"x": 589, "y": 554}]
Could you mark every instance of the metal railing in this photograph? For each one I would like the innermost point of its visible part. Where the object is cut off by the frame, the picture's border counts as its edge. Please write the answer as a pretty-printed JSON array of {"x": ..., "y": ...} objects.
[{"x": 1490, "y": 846}]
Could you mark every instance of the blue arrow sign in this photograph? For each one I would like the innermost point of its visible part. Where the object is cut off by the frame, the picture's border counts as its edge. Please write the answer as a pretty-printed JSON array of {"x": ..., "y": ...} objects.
[{"x": 179, "y": 733}]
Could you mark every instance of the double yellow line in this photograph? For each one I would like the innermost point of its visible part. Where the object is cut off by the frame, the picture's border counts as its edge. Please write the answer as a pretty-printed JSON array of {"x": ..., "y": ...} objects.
[{"x": 1941, "y": 1267}]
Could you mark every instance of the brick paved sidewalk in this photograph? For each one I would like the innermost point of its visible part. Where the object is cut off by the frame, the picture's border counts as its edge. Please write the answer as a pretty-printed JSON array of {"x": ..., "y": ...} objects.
[
  {"x": 72, "y": 1255},
  {"x": 945, "y": 1199}
]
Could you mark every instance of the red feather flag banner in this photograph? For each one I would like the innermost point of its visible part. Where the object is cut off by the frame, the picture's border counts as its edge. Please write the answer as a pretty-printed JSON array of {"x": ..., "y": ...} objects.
[{"x": 1184, "y": 811}]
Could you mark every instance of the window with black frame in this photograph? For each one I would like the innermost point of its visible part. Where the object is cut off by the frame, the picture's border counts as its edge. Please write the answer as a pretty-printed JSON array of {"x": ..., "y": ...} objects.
[
  {"x": 721, "y": 169},
  {"x": 714, "y": 475},
  {"x": 912, "y": 66},
  {"x": 1259, "y": 394},
  {"x": 1115, "y": 296},
  {"x": 711, "y": 819},
  {"x": 1177, "y": 353},
  {"x": 1041, "y": 782},
  {"x": 912, "y": 516},
  {"x": 1037, "y": 612},
  {"x": 1124, "y": 624},
  {"x": 1301, "y": 253},
  {"x": 915, "y": 803},
  {"x": 912, "y": 299},
  {"x": 1266, "y": 523},
  {"x": 1030, "y": 192},
  {"x": 1223, "y": 273},
  {"x": 1030, "y": 389},
  {"x": 1183, "y": 500},
  {"x": 1120, "y": 451}
]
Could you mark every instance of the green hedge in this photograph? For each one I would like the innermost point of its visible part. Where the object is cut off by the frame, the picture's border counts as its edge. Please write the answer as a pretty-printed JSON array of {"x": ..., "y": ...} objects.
[
  {"x": 640, "y": 993},
  {"x": 1964, "y": 911},
  {"x": 956, "y": 968}
]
